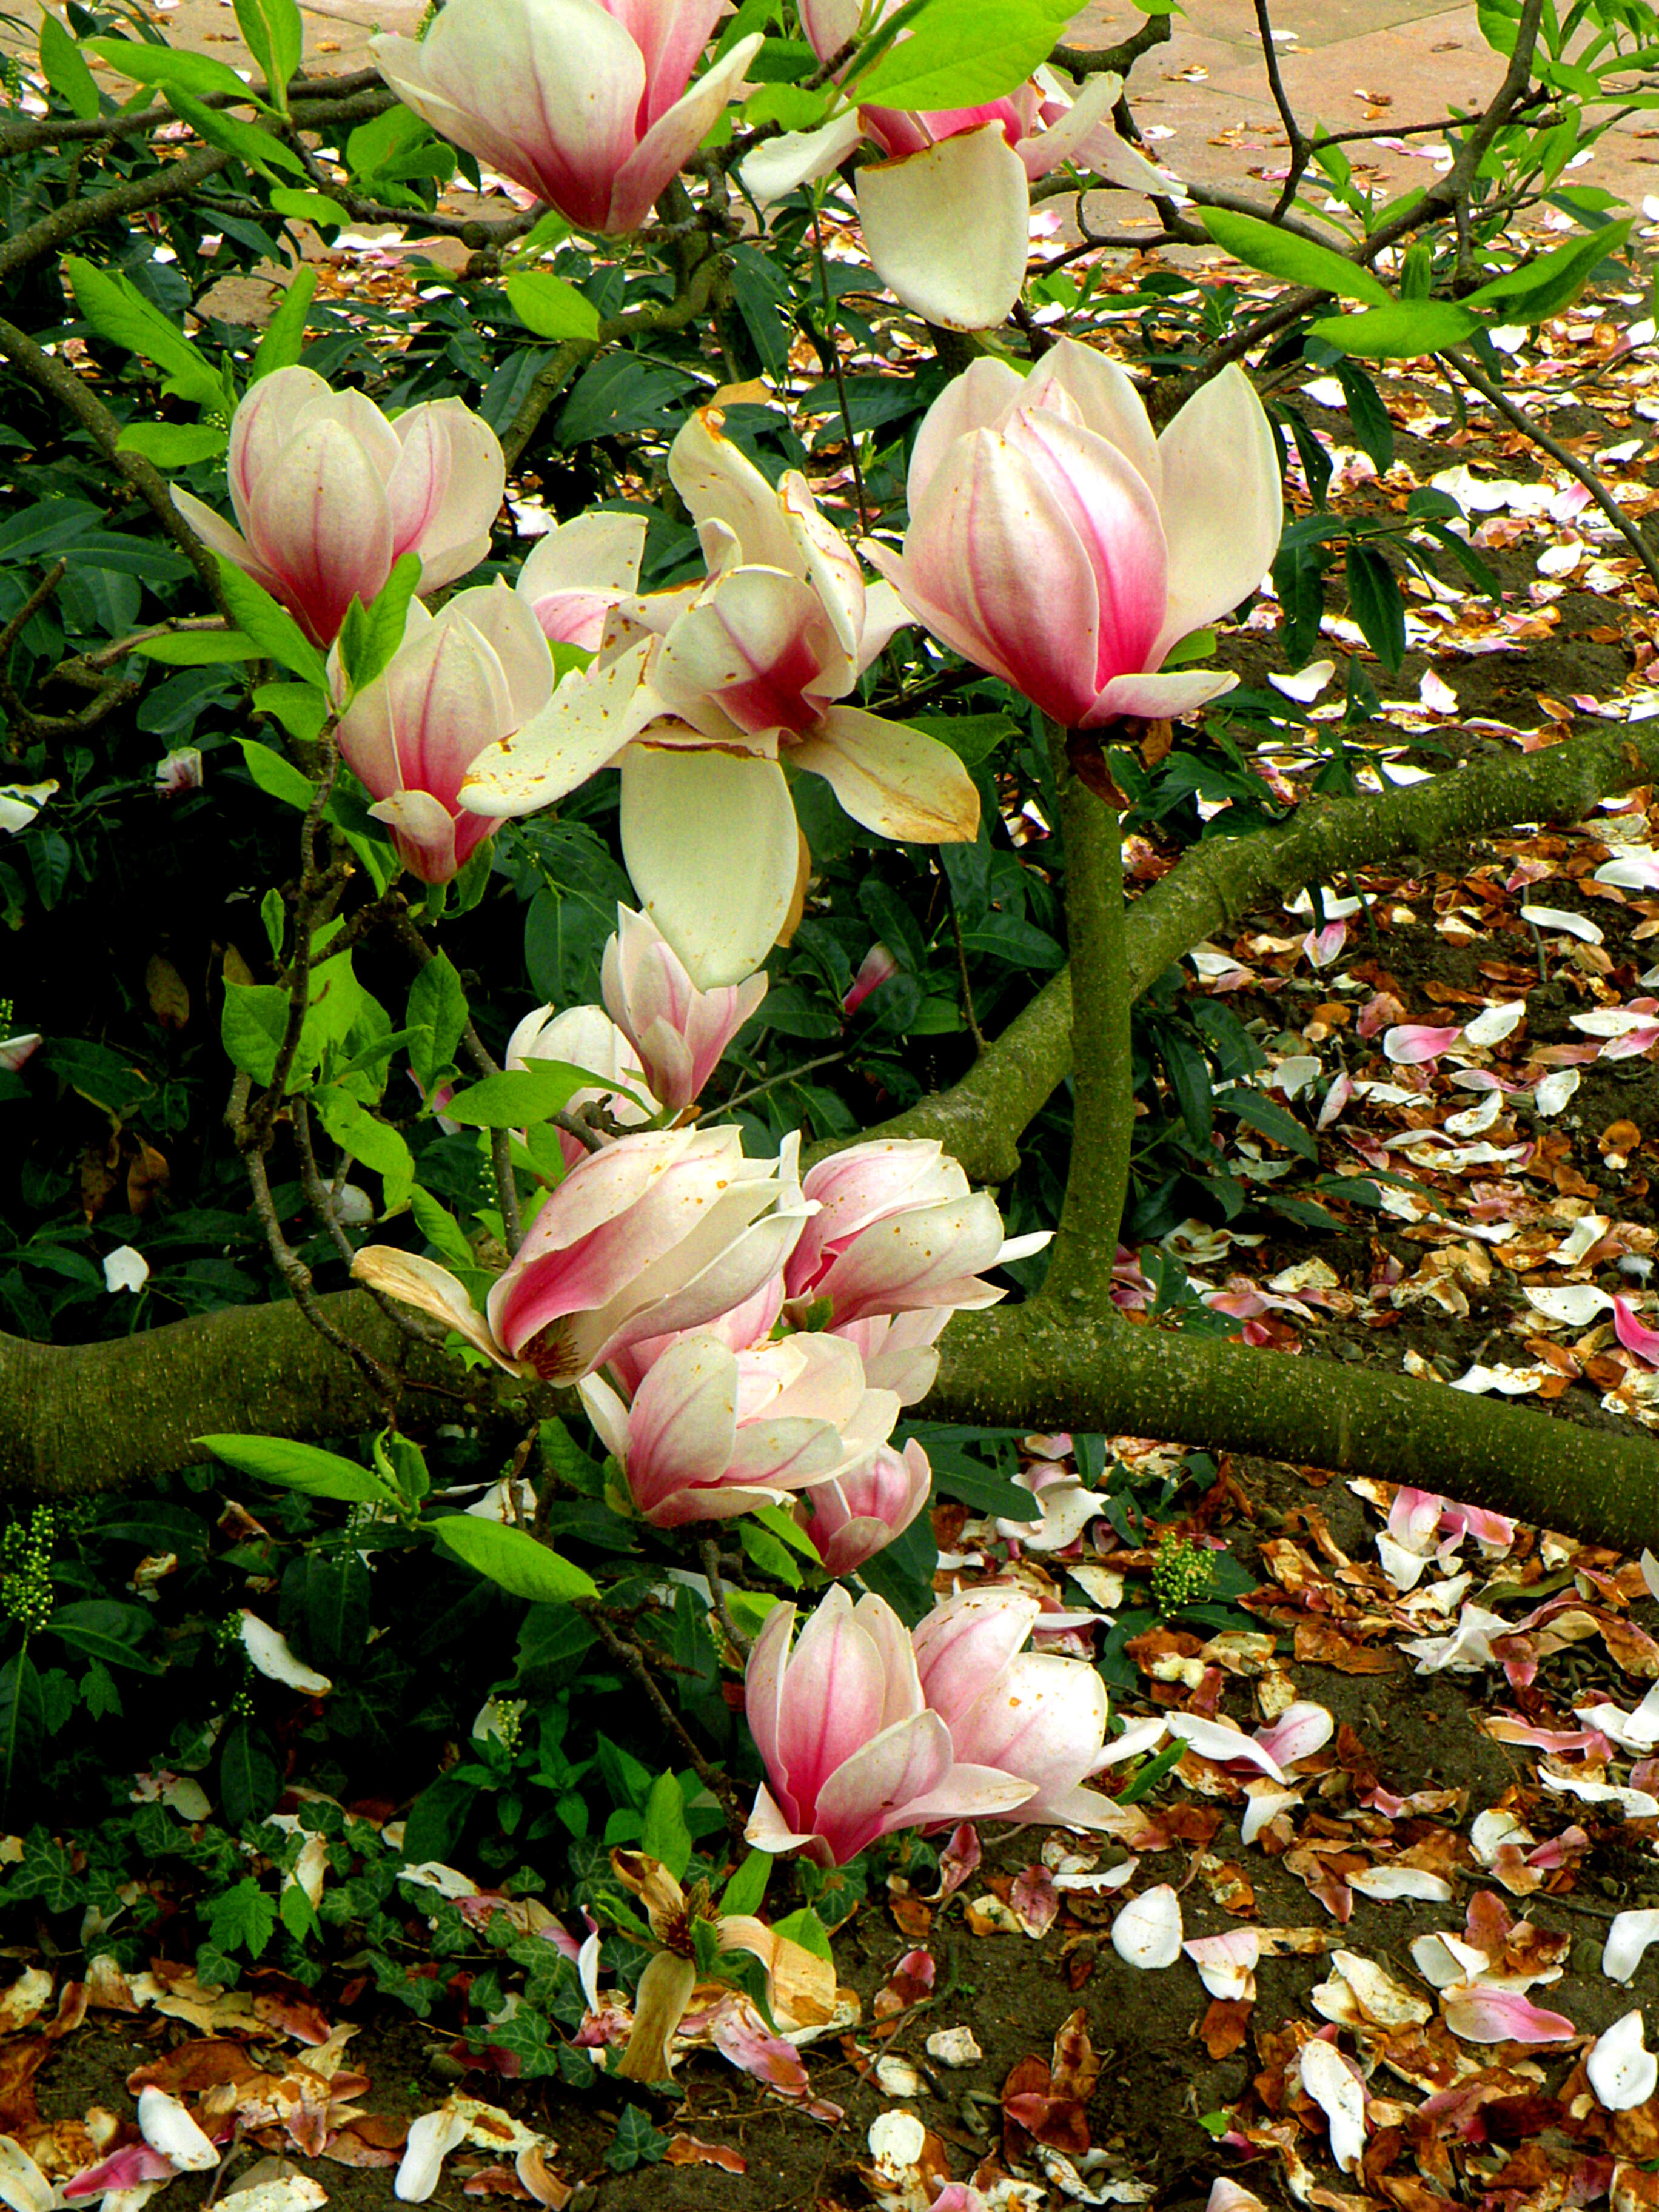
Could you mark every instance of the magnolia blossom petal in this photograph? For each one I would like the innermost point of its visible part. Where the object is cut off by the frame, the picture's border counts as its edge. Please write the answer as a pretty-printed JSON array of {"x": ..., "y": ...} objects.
[
  {"x": 675, "y": 136},
  {"x": 423, "y": 1284},
  {"x": 779, "y": 166},
  {"x": 965, "y": 276},
  {"x": 1623, "y": 2072},
  {"x": 1221, "y": 503},
  {"x": 710, "y": 840},
  {"x": 1166, "y": 697},
  {"x": 1477, "y": 2014},
  {"x": 895, "y": 780},
  {"x": 1336, "y": 2088},
  {"x": 167, "y": 2127},
  {"x": 583, "y": 726},
  {"x": 1628, "y": 1937},
  {"x": 1147, "y": 1931}
]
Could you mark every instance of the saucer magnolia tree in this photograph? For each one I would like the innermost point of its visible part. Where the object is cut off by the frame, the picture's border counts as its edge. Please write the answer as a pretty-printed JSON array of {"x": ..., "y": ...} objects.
[{"x": 603, "y": 952}]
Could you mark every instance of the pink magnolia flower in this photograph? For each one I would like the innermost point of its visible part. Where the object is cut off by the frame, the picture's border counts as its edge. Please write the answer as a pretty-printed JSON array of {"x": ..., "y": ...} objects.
[
  {"x": 1056, "y": 542},
  {"x": 741, "y": 1327},
  {"x": 712, "y": 1432},
  {"x": 966, "y": 276},
  {"x": 661, "y": 1231},
  {"x": 579, "y": 571},
  {"x": 587, "y": 103},
  {"x": 877, "y": 966},
  {"x": 850, "y": 1748},
  {"x": 897, "y": 1228},
  {"x": 1032, "y": 1714},
  {"x": 898, "y": 1349},
  {"x": 700, "y": 696},
  {"x": 330, "y": 495},
  {"x": 462, "y": 679},
  {"x": 858, "y": 1514},
  {"x": 586, "y": 1036},
  {"x": 677, "y": 1032}
]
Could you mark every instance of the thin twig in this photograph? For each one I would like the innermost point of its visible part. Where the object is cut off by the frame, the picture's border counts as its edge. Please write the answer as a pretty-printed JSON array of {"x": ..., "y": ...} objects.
[
  {"x": 709, "y": 1551},
  {"x": 836, "y": 371},
  {"x": 1298, "y": 144},
  {"x": 742, "y": 1097},
  {"x": 973, "y": 1029},
  {"x": 1497, "y": 398},
  {"x": 59, "y": 382},
  {"x": 717, "y": 1784}
]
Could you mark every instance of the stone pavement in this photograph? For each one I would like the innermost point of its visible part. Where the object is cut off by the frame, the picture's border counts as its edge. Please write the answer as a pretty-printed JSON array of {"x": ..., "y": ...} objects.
[{"x": 1204, "y": 97}]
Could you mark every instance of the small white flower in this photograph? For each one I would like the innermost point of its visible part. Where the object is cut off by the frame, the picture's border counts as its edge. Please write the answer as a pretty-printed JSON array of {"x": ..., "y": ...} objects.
[{"x": 1622, "y": 2071}]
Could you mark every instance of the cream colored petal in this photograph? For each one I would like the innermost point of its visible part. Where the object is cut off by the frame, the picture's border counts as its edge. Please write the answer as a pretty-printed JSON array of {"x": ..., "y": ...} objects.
[
  {"x": 895, "y": 780},
  {"x": 430, "y": 1289},
  {"x": 583, "y": 726},
  {"x": 778, "y": 166},
  {"x": 1220, "y": 504},
  {"x": 949, "y": 228},
  {"x": 710, "y": 840}
]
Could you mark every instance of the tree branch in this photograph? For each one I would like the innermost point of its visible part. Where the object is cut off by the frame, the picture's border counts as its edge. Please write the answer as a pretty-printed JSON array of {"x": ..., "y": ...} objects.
[
  {"x": 1080, "y": 1276},
  {"x": 1024, "y": 1367},
  {"x": 117, "y": 204},
  {"x": 60, "y": 382}
]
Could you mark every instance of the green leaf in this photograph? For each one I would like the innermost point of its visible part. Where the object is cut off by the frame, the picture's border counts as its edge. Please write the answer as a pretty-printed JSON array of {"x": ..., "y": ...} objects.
[
  {"x": 250, "y": 1780},
  {"x": 274, "y": 35},
  {"x": 1553, "y": 282},
  {"x": 961, "y": 53},
  {"x": 108, "y": 1631},
  {"x": 65, "y": 67},
  {"x": 437, "y": 1014},
  {"x": 169, "y": 65},
  {"x": 1297, "y": 260},
  {"x": 520, "y": 1096},
  {"x": 972, "y": 738},
  {"x": 1369, "y": 417},
  {"x": 664, "y": 1835},
  {"x": 747, "y": 1886},
  {"x": 277, "y": 777},
  {"x": 301, "y": 708},
  {"x": 514, "y": 1560},
  {"x": 440, "y": 1227},
  {"x": 637, "y": 2143},
  {"x": 551, "y": 307},
  {"x": 308, "y": 207},
  {"x": 297, "y": 1913},
  {"x": 1400, "y": 331},
  {"x": 241, "y": 1919},
  {"x": 304, "y": 1467},
  {"x": 173, "y": 445},
  {"x": 771, "y": 1556},
  {"x": 374, "y": 1143},
  {"x": 1374, "y": 597},
  {"x": 370, "y": 635},
  {"x": 119, "y": 311},
  {"x": 1147, "y": 1776},
  {"x": 272, "y": 628},
  {"x": 1269, "y": 1121},
  {"x": 260, "y": 149},
  {"x": 251, "y": 1026},
  {"x": 285, "y": 333},
  {"x": 22, "y": 1723},
  {"x": 198, "y": 648},
  {"x": 806, "y": 1928}
]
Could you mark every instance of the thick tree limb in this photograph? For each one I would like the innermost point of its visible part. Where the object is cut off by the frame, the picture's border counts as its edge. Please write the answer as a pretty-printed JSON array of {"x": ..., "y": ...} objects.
[{"x": 1021, "y": 1367}]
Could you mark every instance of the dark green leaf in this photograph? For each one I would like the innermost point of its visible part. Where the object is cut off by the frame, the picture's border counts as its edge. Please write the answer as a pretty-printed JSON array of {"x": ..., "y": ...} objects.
[
  {"x": 249, "y": 1779},
  {"x": 1378, "y": 608}
]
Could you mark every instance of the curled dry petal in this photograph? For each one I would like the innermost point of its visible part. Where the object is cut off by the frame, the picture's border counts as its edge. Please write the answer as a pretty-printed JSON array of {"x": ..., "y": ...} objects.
[
  {"x": 167, "y": 2127},
  {"x": 1336, "y": 2089},
  {"x": 431, "y": 2138},
  {"x": 268, "y": 1652}
]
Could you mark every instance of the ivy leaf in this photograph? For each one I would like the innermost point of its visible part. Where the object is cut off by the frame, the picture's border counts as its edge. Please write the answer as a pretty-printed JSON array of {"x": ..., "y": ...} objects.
[
  {"x": 241, "y": 1919},
  {"x": 637, "y": 2143}
]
